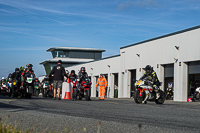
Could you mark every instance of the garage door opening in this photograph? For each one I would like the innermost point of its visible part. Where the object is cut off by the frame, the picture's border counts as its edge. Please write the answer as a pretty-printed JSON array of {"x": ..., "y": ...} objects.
[
  {"x": 106, "y": 76},
  {"x": 132, "y": 82},
  {"x": 194, "y": 77},
  {"x": 169, "y": 80},
  {"x": 115, "y": 85},
  {"x": 97, "y": 90}
]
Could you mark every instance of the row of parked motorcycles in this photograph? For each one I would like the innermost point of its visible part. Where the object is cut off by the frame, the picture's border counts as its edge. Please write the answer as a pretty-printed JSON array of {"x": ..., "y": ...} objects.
[
  {"x": 32, "y": 88},
  {"x": 14, "y": 88}
]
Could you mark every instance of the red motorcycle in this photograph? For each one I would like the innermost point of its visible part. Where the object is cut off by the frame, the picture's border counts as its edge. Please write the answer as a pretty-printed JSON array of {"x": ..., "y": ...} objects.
[
  {"x": 84, "y": 90},
  {"x": 74, "y": 90}
]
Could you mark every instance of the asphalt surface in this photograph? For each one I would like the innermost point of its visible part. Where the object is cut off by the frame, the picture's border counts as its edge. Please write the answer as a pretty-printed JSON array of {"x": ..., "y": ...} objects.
[{"x": 109, "y": 116}]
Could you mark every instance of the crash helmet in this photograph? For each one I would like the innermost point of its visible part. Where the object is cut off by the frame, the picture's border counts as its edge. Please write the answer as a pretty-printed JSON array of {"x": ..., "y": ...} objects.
[
  {"x": 2, "y": 78},
  {"x": 82, "y": 69},
  {"x": 21, "y": 68},
  {"x": 30, "y": 65},
  {"x": 16, "y": 69},
  {"x": 189, "y": 99},
  {"x": 9, "y": 79},
  {"x": 67, "y": 71},
  {"x": 72, "y": 72},
  {"x": 148, "y": 69},
  {"x": 27, "y": 65}
]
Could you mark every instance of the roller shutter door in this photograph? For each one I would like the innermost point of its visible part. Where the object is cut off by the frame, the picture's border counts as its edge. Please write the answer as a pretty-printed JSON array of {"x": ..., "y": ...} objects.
[
  {"x": 194, "y": 68},
  {"x": 169, "y": 70}
]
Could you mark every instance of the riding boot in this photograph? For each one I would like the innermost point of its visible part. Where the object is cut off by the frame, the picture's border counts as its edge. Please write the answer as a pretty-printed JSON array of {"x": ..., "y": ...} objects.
[{"x": 157, "y": 95}]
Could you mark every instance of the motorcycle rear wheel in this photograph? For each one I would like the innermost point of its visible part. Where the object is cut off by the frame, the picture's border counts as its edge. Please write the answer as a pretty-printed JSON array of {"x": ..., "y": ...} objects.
[{"x": 161, "y": 99}]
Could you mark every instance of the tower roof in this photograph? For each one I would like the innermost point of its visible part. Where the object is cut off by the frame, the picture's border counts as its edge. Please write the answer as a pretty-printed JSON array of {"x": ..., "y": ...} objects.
[{"x": 75, "y": 49}]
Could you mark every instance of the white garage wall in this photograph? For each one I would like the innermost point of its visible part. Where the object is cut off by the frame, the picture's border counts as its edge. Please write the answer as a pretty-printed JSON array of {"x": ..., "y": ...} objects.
[{"x": 157, "y": 51}]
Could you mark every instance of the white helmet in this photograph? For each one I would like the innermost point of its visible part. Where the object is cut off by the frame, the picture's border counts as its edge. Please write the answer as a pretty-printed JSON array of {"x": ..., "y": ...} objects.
[{"x": 3, "y": 78}]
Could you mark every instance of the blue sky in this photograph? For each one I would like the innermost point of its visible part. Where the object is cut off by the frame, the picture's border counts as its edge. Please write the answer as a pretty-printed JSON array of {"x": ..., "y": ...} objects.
[{"x": 29, "y": 27}]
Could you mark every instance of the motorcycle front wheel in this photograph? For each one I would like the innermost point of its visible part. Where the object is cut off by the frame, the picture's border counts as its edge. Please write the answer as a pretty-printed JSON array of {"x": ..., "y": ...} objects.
[
  {"x": 74, "y": 94},
  {"x": 37, "y": 93},
  {"x": 87, "y": 96},
  {"x": 138, "y": 99}
]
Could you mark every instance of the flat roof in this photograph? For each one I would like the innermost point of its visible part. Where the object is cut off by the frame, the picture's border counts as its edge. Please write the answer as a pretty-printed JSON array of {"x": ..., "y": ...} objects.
[
  {"x": 167, "y": 35},
  {"x": 75, "y": 49},
  {"x": 67, "y": 60},
  {"x": 100, "y": 59}
]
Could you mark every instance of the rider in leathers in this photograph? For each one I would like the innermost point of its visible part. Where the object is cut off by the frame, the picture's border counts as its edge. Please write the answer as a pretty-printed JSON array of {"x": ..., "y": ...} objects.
[
  {"x": 27, "y": 73},
  {"x": 151, "y": 75},
  {"x": 72, "y": 76},
  {"x": 81, "y": 76},
  {"x": 17, "y": 78}
]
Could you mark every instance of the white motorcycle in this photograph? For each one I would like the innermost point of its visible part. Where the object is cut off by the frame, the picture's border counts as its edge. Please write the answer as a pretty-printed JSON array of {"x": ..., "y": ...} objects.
[
  {"x": 3, "y": 89},
  {"x": 145, "y": 92}
]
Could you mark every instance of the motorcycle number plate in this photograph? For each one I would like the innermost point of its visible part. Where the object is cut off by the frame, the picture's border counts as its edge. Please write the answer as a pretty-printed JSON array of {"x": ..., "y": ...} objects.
[{"x": 29, "y": 80}]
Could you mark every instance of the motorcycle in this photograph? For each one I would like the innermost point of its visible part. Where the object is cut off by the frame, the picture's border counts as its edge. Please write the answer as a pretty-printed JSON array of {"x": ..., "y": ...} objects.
[
  {"x": 144, "y": 89},
  {"x": 29, "y": 86},
  {"x": 197, "y": 94},
  {"x": 37, "y": 90},
  {"x": 3, "y": 89},
  {"x": 14, "y": 92},
  {"x": 84, "y": 89},
  {"x": 9, "y": 89},
  {"x": 47, "y": 90},
  {"x": 74, "y": 90},
  {"x": 169, "y": 94}
]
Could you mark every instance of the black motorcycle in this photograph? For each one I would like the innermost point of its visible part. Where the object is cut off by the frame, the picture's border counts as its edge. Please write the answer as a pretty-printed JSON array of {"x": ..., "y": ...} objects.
[
  {"x": 29, "y": 85},
  {"x": 170, "y": 93}
]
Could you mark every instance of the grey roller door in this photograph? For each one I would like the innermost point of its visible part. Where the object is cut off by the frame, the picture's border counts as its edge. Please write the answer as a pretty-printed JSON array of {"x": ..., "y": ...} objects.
[
  {"x": 169, "y": 70},
  {"x": 194, "y": 67}
]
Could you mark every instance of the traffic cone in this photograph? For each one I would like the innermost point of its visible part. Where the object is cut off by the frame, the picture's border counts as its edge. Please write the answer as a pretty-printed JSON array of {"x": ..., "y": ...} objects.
[{"x": 67, "y": 94}]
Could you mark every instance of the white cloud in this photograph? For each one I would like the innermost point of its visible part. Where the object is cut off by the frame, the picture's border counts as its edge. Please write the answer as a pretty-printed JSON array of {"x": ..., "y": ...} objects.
[
  {"x": 138, "y": 3},
  {"x": 58, "y": 21},
  {"x": 6, "y": 11}
]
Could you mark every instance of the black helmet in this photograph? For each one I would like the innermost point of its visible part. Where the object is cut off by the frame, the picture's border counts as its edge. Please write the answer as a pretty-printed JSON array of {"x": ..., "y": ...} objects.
[
  {"x": 16, "y": 69},
  {"x": 72, "y": 71},
  {"x": 148, "y": 69},
  {"x": 30, "y": 65}
]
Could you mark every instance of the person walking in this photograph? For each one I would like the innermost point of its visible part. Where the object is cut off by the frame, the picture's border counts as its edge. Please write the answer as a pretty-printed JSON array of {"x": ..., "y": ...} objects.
[
  {"x": 102, "y": 83},
  {"x": 59, "y": 73}
]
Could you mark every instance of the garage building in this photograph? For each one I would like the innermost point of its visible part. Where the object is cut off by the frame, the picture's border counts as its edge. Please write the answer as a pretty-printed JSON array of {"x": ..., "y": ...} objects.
[{"x": 174, "y": 56}]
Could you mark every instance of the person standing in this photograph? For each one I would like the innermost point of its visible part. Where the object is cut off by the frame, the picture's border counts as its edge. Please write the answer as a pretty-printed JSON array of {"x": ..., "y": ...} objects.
[
  {"x": 59, "y": 73},
  {"x": 102, "y": 83}
]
